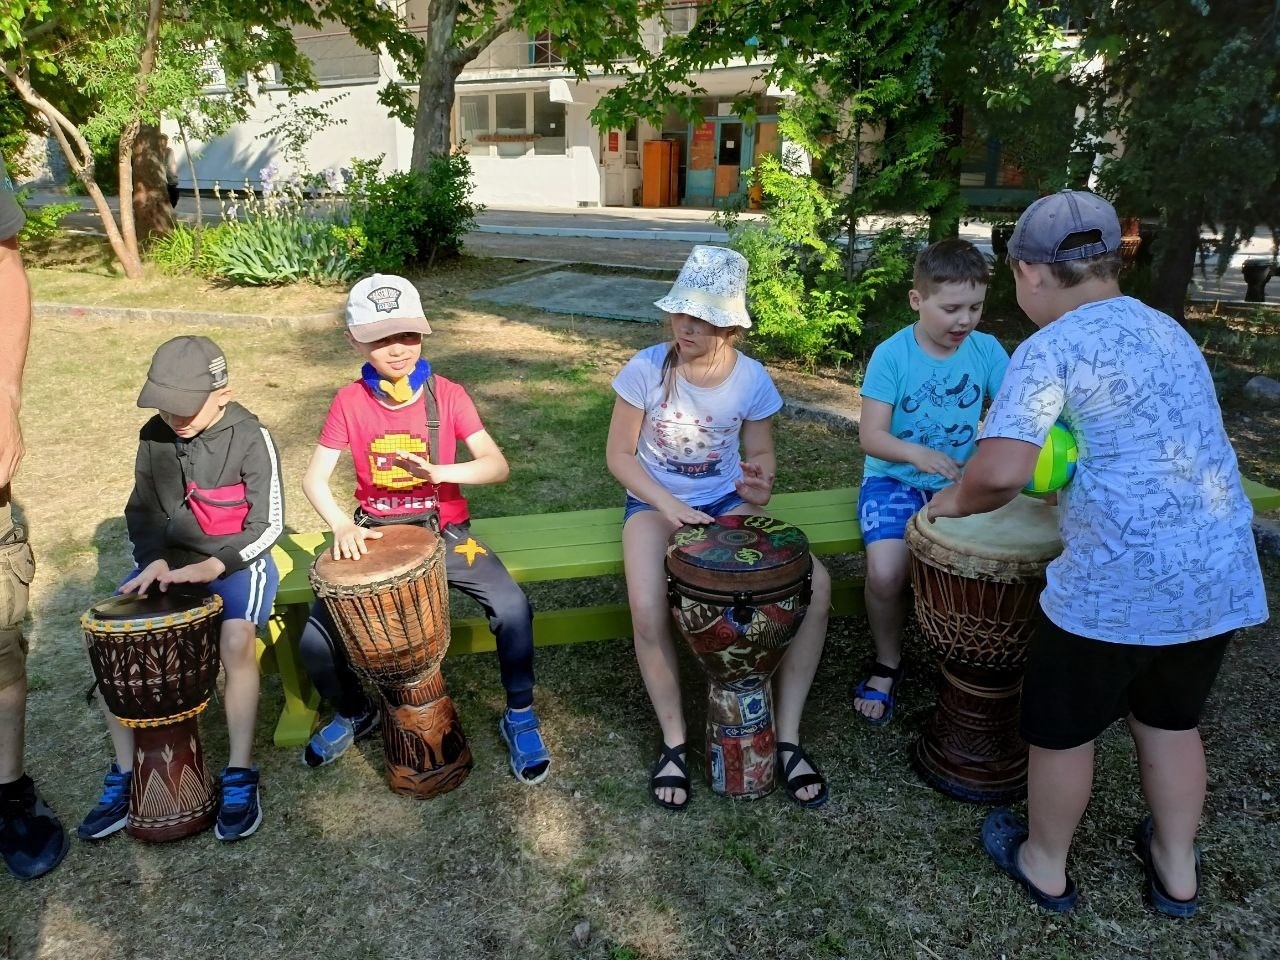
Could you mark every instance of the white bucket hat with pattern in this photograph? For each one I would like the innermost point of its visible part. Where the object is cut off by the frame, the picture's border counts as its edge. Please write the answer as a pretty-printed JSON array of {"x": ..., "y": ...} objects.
[{"x": 712, "y": 286}]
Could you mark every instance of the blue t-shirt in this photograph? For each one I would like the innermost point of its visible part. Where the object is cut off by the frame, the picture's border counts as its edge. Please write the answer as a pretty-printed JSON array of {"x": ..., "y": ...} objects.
[
  {"x": 1158, "y": 547},
  {"x": 936, "y": 403}
]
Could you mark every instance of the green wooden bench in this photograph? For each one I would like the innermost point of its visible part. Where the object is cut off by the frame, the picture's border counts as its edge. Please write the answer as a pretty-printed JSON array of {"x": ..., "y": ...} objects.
[
  {"x": 551, "y": 546},
  {"x": 554, "y": 546}
]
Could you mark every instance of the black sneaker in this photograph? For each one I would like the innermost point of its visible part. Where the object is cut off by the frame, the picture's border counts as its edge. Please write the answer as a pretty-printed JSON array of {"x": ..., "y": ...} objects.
[
  {"x": 240, "y": 813},
  {"x": 32, "y": 840},
  {"x": 112, "y": 812}
]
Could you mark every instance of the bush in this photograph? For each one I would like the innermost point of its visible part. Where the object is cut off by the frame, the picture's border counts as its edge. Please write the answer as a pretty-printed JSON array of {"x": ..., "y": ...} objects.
[
  {"x": 411, "y": 219},
  {"x": 43, "y": 223},
  {"x": 259, "y": 251}
]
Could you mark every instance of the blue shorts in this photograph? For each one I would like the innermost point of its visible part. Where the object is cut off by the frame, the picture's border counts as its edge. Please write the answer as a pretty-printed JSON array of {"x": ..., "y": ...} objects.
[
  {"x": 886, "y": 506},
  {"x": 715, "y": 508},
  {"x": 247, "y": 594}
]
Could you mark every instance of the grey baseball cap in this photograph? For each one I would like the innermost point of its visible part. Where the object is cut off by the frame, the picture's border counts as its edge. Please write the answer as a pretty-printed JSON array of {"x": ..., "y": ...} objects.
[
  {"x": 1045, "y": 224},
  {"x": 382, "y": 305},
  {"x": 184, "y": 371}
]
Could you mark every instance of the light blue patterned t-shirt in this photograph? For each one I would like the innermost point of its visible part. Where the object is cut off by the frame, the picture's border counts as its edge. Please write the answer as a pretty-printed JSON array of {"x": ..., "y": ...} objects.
[
  {"x": 1156, "y": 525},
  {"x": 936, "y": 403}
]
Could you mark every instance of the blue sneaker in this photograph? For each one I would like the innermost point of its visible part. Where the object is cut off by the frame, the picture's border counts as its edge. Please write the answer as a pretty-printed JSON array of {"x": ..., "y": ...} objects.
[
  {"x": 530, "y": 759},
  {"x": 240, "y": 813},
  {"x": 32, "y": 841},
  {"x": 332, "y": 740},
  {"x": 112, "y": 812}
]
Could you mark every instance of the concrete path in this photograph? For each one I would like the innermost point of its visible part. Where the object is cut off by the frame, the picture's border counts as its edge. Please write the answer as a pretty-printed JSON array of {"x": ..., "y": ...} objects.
[
  {"x": 608, "y": 236},
  {"x": 584, "y": 294}
]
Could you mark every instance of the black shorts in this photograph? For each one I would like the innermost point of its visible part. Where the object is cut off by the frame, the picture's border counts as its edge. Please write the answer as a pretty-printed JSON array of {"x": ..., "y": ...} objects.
[{"x": 1075, "y": 687}]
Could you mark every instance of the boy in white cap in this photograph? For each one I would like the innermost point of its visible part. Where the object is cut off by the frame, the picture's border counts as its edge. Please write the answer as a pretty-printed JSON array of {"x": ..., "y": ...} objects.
[
  {"x": 206, "y": 507},
  {"x": 1159, "y": 566},
  {"x": 407, "y": 472},
  {"x": 691, "y": 439}
]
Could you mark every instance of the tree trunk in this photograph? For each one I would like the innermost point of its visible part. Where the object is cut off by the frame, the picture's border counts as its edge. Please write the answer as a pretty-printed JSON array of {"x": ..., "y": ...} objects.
[
  {"x": 440, "y": 68},
  {"x": 80, "y": 159},
  {"x": 1175, "y": 261},
  {"x": 151, "y": 207}
]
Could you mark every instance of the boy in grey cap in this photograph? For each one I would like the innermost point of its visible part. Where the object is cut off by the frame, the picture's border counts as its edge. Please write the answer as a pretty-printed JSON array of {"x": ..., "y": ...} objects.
[
  {"x": 206, "y": 507},
  {"x": 1158, "y": 568}
]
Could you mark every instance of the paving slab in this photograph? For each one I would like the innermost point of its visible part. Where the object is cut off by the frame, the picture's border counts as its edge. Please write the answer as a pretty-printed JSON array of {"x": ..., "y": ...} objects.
[{"x": 584, "y": 294}]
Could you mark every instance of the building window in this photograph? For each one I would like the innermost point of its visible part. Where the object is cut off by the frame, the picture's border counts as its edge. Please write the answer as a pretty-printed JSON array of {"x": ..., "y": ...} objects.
[
  {"x": 474, "y": 123},
  {"x": 522, "y": 123},
  {"x": 542, "y": 50},
  {"x": 680, "y": 16},
  {"x": 548, "y": 125},
  {"x": 336, "y": 57},
  {"x": 633, "y": 145}
]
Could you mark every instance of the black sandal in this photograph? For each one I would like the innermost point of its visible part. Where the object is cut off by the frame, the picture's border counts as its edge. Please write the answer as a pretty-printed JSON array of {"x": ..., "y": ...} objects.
[
  {"x": 801, "y": 780},
  {"x": 676, "y": 757}
]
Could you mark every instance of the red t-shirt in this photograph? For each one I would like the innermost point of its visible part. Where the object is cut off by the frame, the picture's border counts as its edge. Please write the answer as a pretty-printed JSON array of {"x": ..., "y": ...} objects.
[{"x": 373, "y": 433}]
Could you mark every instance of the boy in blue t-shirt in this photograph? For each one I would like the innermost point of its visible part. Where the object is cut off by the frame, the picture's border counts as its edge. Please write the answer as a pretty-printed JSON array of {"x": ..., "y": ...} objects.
[{"x": 922, "y": 396}]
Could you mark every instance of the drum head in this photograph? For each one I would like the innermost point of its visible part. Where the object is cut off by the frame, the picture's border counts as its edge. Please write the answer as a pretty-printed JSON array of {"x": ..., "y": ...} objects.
[
  {"x": 1020, "y": 537},
  {"x": 130, "y": 606},
  {"x": 738, "y": 552},
  {"x": 400, "y": 549}
]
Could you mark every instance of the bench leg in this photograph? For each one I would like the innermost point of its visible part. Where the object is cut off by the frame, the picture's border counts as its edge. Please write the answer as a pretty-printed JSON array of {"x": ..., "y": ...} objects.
[{"x": 301, "y": 702}]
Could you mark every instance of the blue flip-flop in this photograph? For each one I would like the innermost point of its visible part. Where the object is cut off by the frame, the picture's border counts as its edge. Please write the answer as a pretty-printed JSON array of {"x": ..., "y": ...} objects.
[
  {"x": 1003, "y": 834},
  {"x": 1153, "y": 889}
]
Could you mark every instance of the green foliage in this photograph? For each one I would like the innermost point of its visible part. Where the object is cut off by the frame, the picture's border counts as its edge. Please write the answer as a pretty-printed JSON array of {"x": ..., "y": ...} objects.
[
  {"x": 43, "y": 223},
  {"x": 408, "y": 218}
]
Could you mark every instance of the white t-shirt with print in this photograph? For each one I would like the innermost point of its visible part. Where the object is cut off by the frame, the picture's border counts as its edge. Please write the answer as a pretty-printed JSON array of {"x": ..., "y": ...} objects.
[
  {"x": 689, "y": 441},
  {"x": 1156, "y": 525}
]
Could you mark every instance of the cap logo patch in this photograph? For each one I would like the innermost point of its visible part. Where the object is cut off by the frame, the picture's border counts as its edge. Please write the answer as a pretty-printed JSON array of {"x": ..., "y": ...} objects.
[
  {"x": 385, "y": 299},
  {"x": 218, "y": 371}
]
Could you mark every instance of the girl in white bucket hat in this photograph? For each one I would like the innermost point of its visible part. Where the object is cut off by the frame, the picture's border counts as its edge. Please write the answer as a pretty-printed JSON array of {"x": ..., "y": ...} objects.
[{"x": 691, "y": 439}]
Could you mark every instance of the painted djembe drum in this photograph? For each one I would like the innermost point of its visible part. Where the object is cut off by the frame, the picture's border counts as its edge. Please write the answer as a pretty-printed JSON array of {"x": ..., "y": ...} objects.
[
  {"x": 738, "y": 589},
  {"x": 977, "y": 586},
  {"x": 156, "y": 661},
  {"x": 391, "y": 608}
]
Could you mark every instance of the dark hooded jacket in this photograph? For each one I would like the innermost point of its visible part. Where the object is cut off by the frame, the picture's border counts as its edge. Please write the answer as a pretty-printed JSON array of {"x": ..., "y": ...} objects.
[{"x": 235, "y": 450}]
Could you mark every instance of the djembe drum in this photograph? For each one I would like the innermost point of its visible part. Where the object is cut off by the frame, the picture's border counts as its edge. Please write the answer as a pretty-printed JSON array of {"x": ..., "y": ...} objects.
[
  {"x": 156, "y": 660},
  {"x": 977, "y": 584},
  {"x": 738, "y": 589},
  {"x": 391, "y": 608}
]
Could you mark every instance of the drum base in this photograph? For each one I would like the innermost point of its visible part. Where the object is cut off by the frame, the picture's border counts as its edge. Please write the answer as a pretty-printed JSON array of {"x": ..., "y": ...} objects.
[
  {"x": 427, "y": 753},
  {"x": 741, "y": 745},
  {"x": 971, "y": 749},
  {"x": 172, "y": 795}
]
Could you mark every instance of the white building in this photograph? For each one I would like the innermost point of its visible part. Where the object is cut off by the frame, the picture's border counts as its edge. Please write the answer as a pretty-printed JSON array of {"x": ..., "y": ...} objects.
[{"x": 524, "y": 119}]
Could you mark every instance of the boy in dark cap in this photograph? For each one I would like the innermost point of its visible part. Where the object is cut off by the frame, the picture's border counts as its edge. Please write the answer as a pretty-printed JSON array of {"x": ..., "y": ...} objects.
[
  {"x": 1159, "y": 566},
  {"x": 206, "y": 507}
]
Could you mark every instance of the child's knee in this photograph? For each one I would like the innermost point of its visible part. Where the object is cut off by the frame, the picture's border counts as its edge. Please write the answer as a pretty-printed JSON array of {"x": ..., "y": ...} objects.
[
  {"x": 238, "y": 643},
  {"x": 887, "y": 576}
]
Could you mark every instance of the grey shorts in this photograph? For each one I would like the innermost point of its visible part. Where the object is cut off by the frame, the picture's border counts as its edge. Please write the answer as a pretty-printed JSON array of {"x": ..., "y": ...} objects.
[{"x": 17, "y": 568}]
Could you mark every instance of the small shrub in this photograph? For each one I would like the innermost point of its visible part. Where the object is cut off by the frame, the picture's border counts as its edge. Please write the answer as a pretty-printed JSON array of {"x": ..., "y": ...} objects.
[{"x": 43, "y": 223}]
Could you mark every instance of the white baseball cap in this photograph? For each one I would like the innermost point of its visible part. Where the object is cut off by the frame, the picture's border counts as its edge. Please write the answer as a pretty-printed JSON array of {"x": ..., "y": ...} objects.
[{"x": 382, "y": 305}]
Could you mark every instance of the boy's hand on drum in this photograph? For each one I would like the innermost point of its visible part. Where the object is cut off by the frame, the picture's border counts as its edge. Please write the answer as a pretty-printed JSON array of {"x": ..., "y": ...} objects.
[
  {"x": 945, "y": 503},
  {"x": 349, "y": 541},
  {"x": 206, "y": 571},
  {"x": 143, "y": 581},
  {"x": 928, "y": 460},
  {"x": 756, "y": 486}
]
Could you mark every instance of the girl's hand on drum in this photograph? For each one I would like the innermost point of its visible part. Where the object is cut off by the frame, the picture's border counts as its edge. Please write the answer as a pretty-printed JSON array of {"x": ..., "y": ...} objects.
[
  {"x": 681, "y": 514},
  {"x": 349, "y": 541},
  {"x": 143, "y": 581},
  {"x": 756, "y": 486},
  {"x": 206, "y": 571},
  {"x": 931, "y": 461}
]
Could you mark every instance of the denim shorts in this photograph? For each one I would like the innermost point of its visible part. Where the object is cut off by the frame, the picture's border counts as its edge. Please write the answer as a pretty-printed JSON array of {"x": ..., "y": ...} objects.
[
  {"x": 885, "y": 507},
  {"x": 715, "y": 508}
]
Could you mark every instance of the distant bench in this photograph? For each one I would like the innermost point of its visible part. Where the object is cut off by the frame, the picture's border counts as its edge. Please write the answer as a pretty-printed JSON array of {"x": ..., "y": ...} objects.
[{"x": 554, "y": 546}]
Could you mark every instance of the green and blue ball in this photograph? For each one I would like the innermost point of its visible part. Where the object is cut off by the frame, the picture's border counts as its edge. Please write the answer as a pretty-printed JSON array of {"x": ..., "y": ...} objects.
[{"x": 1056, "y": 464}]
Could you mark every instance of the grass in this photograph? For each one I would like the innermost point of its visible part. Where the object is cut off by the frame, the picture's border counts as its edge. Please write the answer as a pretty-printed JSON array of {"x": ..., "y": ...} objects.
[{"x": 582, "y": 866}]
